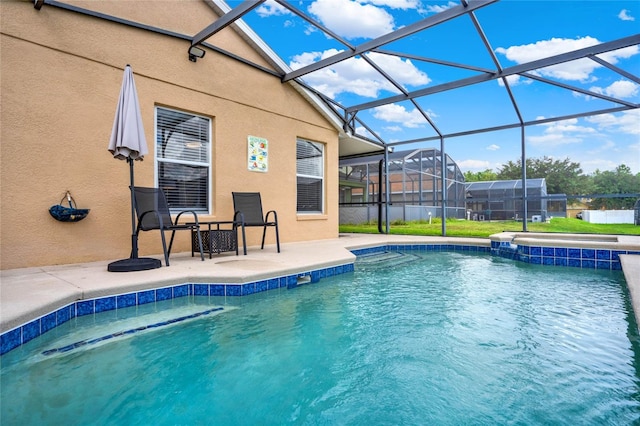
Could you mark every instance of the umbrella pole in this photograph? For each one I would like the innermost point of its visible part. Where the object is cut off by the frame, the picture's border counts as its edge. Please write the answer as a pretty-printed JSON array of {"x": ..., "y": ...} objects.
[{"x": 134, "y": 237}]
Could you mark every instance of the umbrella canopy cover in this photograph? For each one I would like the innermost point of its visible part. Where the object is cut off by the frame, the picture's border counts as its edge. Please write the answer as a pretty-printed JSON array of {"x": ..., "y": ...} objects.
[{"x": 127, "y": 137}]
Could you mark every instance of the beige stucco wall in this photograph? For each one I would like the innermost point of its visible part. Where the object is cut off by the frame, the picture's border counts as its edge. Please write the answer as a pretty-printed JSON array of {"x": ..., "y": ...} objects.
[{"x": 61, "y": 74}]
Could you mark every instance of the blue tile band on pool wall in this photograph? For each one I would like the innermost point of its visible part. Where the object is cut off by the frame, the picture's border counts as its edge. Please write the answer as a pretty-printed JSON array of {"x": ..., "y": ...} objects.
[
  {"x": 589, "y": 258},
  {"x": 23, "y": 334},
  {"x": 421, "y": 247}
]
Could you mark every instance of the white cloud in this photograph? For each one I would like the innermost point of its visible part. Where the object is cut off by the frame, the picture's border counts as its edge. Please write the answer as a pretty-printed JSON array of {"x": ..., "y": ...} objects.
[
  {"x": 627, "y": 122},
  {"x": 624, "y": 15},
  {"x": 397, "y": 4},
  {"x": 440, "y": 8},
  {"x": 351, "y": 19},
  {"x": 271, "y": 8},
  {"x": 393, "y": 128},
  {"x": 514, "y": 80},
  {"x": 591, "y": 165},
  {"x": 493, "y": 147},
  {"x": 356, "y": 76},
  {"x": 619, "y": 89},
  {"x": 474, "y": 164},
  {"x": 393, "y": 113},
  {"x": 360, "y": 130},
  {"x": 561, "y": 133},
  {"x": 578, "y": 70}
]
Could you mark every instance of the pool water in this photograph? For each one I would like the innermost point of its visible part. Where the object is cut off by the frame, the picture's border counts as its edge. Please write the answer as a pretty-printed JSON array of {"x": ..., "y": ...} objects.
[{"x": 408, "y": 338}]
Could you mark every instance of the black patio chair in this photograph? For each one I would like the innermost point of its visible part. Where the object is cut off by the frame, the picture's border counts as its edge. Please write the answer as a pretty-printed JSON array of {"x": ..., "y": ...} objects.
[
  {"x": 153, "y": 213},
  {"x": 248, "y": 212}
]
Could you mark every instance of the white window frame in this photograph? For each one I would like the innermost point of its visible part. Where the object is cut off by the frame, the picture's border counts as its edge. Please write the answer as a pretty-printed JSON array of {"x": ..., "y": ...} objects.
[
  {"x": 205, "y": 142},
  {"x": 319, "y": 176}
]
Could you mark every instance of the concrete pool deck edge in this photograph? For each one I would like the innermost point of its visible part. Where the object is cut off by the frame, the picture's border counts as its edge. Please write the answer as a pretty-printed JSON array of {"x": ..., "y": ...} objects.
[{"x": 26, "y": 294}]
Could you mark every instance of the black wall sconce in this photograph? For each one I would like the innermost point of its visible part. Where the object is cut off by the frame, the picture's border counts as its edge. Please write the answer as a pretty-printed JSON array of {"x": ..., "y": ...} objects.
[{"x": 195, "y": 53}]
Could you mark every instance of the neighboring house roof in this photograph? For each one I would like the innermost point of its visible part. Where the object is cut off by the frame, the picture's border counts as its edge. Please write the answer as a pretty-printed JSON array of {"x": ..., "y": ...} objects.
[{"x": 505, "y": 184}]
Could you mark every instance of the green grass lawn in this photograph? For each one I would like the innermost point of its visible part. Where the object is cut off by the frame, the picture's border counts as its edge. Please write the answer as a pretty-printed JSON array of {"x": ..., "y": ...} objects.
[{"x": 467, "y": 228}]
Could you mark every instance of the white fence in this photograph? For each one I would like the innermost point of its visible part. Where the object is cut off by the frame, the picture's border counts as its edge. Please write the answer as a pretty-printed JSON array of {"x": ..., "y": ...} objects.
[{"x": 608, "y": 216}]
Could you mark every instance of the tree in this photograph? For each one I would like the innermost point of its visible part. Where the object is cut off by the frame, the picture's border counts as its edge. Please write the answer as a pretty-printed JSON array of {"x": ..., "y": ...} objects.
[
  {"x": 620, "y": 181},
  {"x": 482, "y": 176},
  {"x": 562, "y": 176}
]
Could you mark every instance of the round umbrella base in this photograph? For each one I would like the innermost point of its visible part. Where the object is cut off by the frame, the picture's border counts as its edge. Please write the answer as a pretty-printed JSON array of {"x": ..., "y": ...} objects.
[{"x": 134, "y": 264}]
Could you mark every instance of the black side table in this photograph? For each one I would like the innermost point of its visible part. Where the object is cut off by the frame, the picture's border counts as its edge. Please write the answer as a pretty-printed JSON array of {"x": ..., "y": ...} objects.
[{"x": 216, "y": 239}]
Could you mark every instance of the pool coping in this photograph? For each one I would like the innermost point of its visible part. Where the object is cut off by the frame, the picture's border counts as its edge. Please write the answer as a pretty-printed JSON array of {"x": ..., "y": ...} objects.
[{"x": 34, "y": 300}]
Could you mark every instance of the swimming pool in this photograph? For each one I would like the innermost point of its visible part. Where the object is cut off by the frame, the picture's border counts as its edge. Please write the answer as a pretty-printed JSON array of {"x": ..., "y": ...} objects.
[{"x": 408, "y": 338}]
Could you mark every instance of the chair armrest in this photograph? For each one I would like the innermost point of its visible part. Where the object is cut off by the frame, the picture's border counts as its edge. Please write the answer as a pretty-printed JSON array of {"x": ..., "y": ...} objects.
[
  {"x": 235, "y": 216},
  {"x": 195, "y": 216},
  {"x": 275, "y": 216}
]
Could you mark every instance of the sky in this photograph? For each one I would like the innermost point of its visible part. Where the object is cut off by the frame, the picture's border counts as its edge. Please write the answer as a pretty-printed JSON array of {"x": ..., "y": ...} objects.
[{"x": 518, "y": 31}]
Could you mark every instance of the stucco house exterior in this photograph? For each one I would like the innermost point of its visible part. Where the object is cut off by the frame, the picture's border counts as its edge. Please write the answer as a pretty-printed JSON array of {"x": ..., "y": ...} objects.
[{"x": 61, "y": 73}]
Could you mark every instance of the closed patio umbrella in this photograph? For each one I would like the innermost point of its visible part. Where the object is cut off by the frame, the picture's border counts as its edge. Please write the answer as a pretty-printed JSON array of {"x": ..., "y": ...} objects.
[{"x": 129, "y": 143}]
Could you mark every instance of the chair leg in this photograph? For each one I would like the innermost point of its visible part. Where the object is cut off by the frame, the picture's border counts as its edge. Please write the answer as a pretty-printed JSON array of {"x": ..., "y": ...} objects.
[
  {"x": 244, "y": 240},
  {"x": 264, "y": 233},
  {"x": 164, "y": 247},
  {"x": 200, "y": 241},
  {"x": 277, "y": 238}
]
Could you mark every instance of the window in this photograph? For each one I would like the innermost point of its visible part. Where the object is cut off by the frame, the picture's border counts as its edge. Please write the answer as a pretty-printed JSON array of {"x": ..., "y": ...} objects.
[
  {"x": 310, "y": 176},
  {"x": 183, "y": 159}
]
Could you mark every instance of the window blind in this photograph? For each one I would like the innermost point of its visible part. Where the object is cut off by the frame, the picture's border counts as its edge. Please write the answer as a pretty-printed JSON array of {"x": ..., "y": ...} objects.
[
  {"x": 310, "y": 176},
  {"x": 183, "y": 147}
]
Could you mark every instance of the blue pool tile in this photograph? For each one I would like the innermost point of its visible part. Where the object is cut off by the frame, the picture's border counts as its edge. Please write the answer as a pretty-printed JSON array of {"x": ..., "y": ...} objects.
[
  {"x": 525, "y": 249},
  {"x": 588, "y": 264},
  {"x": 574, "y": 263},
  {"x": 524, "y": 258},
  {"x": 282, "y": 282},
  {"x": 10, "y": 340},
  {"x": 603, "y": 254},
  {"x": 548, "y": 261},
  {"x": 616, "y": 266},
  {"x": 234, "y": 290},
  {"x": 65, "y": 314},
  {"x": 217, "y": 289},
  {"x": 615, "y": 254},
  {"x": 292, "y": 280},
  {"x": 603, "y": 264},
  {"x": 573, "y": 253},
  {"x": 535, "y": 251},
  {"x": 247, "y": 289},
  {"x": 262, "y": 286},
  {"x": 315, "y": 276},
  {"x": 126, "y": 300},
  {"x": 147, "y": 296},
  {"x": 163, "y": 294},
  {"x": 548, "y": 251},
  {"x": 560, "y": 252},
  {"x": 535, "y": 260},
  {"x": 588, "y": 254},
  {"x": 351, "y": 267},
  {"x": 48, "y": 322},
  {"x": 85, "y": 307},
  {"x": 30, "y": 331},
  {"x": 561, "y": 261},
  {"x": 105, "y": 304},
  {"x": 181, "y": 290},
  {"x": 201, "y": 289},
  {"x": 273, "y": 283}
]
